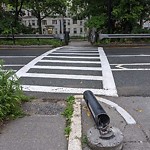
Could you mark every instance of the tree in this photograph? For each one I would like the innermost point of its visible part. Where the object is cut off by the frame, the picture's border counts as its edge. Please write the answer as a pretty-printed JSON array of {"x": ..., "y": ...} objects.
[
  {"x": 42, "y": 9},
  {"x": 117, "y": 16},
  {"x": 15, "y": 8}
]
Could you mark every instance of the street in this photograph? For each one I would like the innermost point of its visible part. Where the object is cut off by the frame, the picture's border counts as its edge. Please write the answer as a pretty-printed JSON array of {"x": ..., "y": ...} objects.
[{"x": 75, "y": 69}]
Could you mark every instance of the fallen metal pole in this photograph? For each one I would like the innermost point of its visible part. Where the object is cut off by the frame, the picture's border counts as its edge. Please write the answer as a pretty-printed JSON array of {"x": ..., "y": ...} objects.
[
  {"x": 101, "y": 119},
  {"x": 101, "y": 136}
]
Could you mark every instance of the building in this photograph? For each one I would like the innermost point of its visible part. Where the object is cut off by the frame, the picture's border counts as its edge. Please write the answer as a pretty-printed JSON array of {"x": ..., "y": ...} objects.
[{"x": 56, "y": 25}]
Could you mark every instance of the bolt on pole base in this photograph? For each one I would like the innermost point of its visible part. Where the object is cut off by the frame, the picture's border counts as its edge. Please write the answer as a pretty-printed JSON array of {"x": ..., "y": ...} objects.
[{"x": 96, "y": 142}]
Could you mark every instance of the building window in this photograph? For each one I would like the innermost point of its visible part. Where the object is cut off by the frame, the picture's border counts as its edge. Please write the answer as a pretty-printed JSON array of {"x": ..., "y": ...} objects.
[
  {"x": 33, "y": 22},
  {"x": 69, "y": 30},
  {"x": 54, "y": 21},
  {"x": 68, "y": 22},
  {"x": 74, "y": 21},
  {"x": 81, "y": 23},
  {"x": 75, "y": 30},
  {"x": 44, "y": 22},
  {"x": 81, "y": 30}
]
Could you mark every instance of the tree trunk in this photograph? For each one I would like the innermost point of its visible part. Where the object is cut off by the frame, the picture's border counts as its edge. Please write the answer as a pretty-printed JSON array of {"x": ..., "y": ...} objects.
[
  {"x": 109, "y": 16},
  {"x": 39, "y": 23},
  {"x": 17, "y": 11}
]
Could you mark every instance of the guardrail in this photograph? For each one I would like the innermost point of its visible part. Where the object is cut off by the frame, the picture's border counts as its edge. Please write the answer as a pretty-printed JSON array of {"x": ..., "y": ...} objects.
[
  {"x": 118, "y": 36},
  {"x": 28, "y": 36}
]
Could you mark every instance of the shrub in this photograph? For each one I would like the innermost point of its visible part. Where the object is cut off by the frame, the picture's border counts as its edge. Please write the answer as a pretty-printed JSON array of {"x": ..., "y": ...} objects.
[{"x": 11, "y": 95}]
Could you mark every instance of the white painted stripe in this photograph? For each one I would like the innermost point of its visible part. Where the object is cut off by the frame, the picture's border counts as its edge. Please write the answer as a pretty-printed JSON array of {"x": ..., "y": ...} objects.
[
  {"x": 25, "y": 68},
  {"x": 75, "y": 136},
  {"x": 76, "y": 54},
  {"x": 108, "y": 80},
  {"x": 62, "y": 76},
  {"x": 77, "y": 51},
  {"x": 19, "y": 65},
  {"x": 50, "y": 89},
  {"x": 132, "y": 64},
  {"x": 73, "y": 62},
  {"x": 8, "y": 70},
  {"x": 17, "y": 56},
  {"x": 140, "y": 55},
  {"x": 126, "y": 69},
  {"x": 72, "y": 57},
  {"x": 127, "y": 117},
  {"x": 67, "y": 68}
]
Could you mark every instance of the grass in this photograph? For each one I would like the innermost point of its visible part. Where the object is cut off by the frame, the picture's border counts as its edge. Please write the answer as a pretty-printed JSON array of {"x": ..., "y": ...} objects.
[
  {"x": 53, "y": 42},
  {"x": 84, "y": 140},
  {"x": 123, "y": 41},
  {"x": 68, "y": 112}
]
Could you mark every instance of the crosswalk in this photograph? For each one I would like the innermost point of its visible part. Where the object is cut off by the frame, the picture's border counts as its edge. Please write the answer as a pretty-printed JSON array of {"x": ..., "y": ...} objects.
[{"x": 69, "y": 70}]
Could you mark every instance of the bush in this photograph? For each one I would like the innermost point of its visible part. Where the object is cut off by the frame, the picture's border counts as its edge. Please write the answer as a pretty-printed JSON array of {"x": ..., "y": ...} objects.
[
  {"x": 11, "y": 95},
  {"x": 53, "y": 42}
]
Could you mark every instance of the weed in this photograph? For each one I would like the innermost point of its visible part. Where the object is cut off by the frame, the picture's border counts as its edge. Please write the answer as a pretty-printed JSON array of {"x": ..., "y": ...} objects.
[
  {"x": 84, "y": 140},
  {"x": 11, "y": 95},
  {"x": 68, "y": 112}
]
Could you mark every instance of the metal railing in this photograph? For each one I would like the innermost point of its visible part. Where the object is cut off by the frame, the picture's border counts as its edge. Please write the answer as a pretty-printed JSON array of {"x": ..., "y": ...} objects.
[
  {"x": 28, "y": 36},
  {"x": 118, "y": 36}
]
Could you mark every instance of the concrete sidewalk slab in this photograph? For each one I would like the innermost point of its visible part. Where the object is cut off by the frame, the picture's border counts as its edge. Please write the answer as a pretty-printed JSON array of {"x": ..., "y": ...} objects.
[
  {"x": 136, "y": 136},
  {"x": 37, "y": 132}
]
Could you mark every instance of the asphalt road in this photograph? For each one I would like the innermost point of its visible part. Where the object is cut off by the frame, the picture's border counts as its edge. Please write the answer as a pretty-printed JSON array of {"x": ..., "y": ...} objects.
[{"x": 130, "y": 68}]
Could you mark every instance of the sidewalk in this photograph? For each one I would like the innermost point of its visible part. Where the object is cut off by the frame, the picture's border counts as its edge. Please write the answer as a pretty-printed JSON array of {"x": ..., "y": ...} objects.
[
  {"x": 136, "y": 136},
  {"x": 80, "y": 43},
  {"x": 42, "y": 130}
]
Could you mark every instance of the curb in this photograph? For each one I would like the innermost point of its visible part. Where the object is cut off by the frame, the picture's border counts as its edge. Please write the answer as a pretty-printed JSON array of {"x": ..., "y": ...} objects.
[{"x": 75, "y": 136}]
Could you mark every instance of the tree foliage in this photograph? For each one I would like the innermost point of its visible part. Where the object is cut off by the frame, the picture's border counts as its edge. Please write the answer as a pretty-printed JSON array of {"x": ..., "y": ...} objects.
[
  {"x": 118, "y": 16},
  {"x": 42, "y": 9}
]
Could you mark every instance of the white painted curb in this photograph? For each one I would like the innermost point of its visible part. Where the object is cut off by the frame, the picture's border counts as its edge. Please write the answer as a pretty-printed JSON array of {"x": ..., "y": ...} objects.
[{"x": 75, "y": 136}]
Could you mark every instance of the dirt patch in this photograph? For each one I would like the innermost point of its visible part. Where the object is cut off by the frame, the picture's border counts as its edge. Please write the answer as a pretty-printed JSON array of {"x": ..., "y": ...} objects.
[{"x": 44, "y": 107}]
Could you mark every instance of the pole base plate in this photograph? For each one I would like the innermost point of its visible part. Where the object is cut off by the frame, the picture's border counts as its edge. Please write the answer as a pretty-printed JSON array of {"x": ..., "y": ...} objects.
[{"x": 97, "y": 143}]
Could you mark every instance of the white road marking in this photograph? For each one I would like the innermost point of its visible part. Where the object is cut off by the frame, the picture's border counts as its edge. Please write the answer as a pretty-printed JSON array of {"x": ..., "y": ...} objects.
[
  {"x": 67, "y": 68},
  {"x": 127, "y": 117},
  {"x": 25, "y": 68},
  {"x": 132, "y": 64},
  {"x": 8, "y": 70},
  {"x": 51, "y": 89},
  {"x": 108, "y": 80},
  {"x": 71, "y": 57},
  {"x": 17, "y": 56},
  {"x": 62, "y": 76},
  {"x": 84, "y": 54},
  {"x": 15, "y": 65},
  {"x": 140, "y": 55},
  {"x": 74, "y": 62},
  {"x": 77, "y": 51},
  {"x": 120, "y": 67},
  {"x": 75, "y": 136},
  {"x": 132, "y": 69}
]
